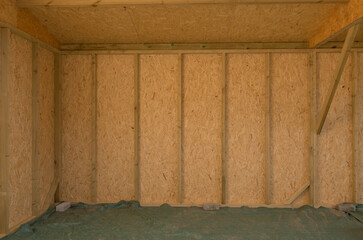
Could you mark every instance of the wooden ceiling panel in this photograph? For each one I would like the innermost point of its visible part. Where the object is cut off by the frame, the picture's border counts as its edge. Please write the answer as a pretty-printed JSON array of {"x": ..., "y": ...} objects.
[{"x": 185, "y": 23}]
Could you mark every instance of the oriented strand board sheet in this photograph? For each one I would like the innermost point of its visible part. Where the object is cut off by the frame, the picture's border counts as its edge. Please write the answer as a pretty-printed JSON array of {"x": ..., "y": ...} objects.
[
  {"x": 246, "y": 128},
  {"x": 181, "y": 23},
  {"x": 159, "y": 131},
  {"x": 77, "y": 125},
  {"x": 20, "y": 134},
  {"x": 359, "y": 108},
  {"x": 202, "y": 128},
  {"x": 8, "y": 11},
  {"x": 115, "y": 127},
  {"x": 46, "y": 125},
  {"x": 290, "y": 129},
  {"x": 334, "y": 157}
]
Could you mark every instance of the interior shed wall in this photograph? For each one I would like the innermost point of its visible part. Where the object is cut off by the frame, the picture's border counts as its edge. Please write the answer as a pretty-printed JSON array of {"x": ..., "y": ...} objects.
[
  {"x": 20, "y": 135},
  {"x": 246, "y": 131},
  {"x": 334, "y": 145},
  {"x": 201, "y": 80},
  {"x": 159, "y": 150},
  {"x": 21, "y": 120},
  {"x": 77, "y": 127},
  {"x": 290, "y": 130},
  {"x": 115, "y": 127}
]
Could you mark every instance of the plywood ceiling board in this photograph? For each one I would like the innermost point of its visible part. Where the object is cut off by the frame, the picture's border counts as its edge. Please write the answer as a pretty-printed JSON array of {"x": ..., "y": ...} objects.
[
  {"x": 86, "y": 25},
  {"x": 185, "y": 24}
]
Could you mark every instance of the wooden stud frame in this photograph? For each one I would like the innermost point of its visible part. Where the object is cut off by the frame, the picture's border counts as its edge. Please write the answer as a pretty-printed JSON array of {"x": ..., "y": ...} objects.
[
  {"x": 355, "y": 129},
  {"x": 94, "y": 130},
  {"x": 35, "y": 130},
  {"x": 57, "y": 123},
  {"x": 268, "y": 127},
  {"x": 4, "y": 132},
  {"x": 224, "y": 130},
  {"x": 312, "y": 156},
  {"x": 181, "y": 132},
  {"x": 137, "y": 129}
]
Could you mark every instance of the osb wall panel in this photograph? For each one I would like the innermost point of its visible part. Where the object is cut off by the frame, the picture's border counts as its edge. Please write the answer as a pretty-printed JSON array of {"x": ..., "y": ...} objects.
[
  {"x": 159, "y": 150},
  {"x": 115, "y": 127},
  {"x": 77, "y": 125},
  {"x": 334, "y": 157},
  {"x": 359, "y": 109},
  {"x": 290, "y": 130},
  {"x": 246, "y": 128},
  {"x": 20, "y": 123},
  {"x": 46, "y": 125},
  {"x": 202, "y": 128},
  {"x": 8, "y": 11}
]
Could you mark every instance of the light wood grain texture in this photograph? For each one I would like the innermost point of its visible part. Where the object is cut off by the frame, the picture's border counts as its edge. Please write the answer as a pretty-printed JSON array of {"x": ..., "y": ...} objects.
[
  {"x": 4, "y": 130},
  {"x": 246, "y": 83},
  {"x": 137, "y": 128},
  {"x": 224, "y": 131},
  {"x": 181, "y": 129},
  {"x": 343, "y": 18},
  {"x": 20, "y": 125},
  {"x": 35, "y": 129},
  {"x": 57, "y": 121},
  {"x": 359, "y": 129},
  {"x": 115, "y": 127},
  {"x": 268, "y": 128},
  {"x": 77, "y": 128},
  {"x": 159, "y": 150},
  {"x": 202, "y": 128},
  {"x": 334, "y": 158},
  {"x": 340, "y": 68},
  {"x": 298, "y": 193},
  {"x": 46, "y": 127},
  {"x": 290, "y": 130},
  {"x": 93, "y": 3},
  {"x": 214, "y": 23},
  {"x": 94, "y": 130},
  {"x": 313, "y": 150}
]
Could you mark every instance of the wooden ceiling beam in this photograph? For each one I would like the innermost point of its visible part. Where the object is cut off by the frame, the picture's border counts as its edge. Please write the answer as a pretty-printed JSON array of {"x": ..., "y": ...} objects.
[
  {"x": 341, "y": 20},
  {"x": 94, "y": 3}
]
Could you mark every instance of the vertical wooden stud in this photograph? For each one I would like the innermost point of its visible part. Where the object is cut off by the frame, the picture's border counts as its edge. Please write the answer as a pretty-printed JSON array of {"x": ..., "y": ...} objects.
[
  {"x": 312, "y": 156},
  {"x": 355, "y": 129},
  {"x": 224, "y": 129},
  {"x": 137, "y": 130},
  {"x": 181, "y": 132},
  {"x": 268, "y": 128},
  {"x": 94, "y": 129},
  {"x": 57, "y": 123},
  {"x": 35, "y": 129},
  {"x": 4, "y": 131}
]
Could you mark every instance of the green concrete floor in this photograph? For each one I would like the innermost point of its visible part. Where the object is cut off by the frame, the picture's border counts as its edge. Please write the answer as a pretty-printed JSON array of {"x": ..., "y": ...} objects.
[{"x": 126, "y": 220}]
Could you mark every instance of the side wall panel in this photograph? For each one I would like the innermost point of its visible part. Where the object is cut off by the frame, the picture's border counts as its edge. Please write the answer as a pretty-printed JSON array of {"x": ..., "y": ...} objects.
[
  {"x": 290, "y": 130},
  {"x": 202, "y": 127},
  {"x": 159, "y": 150},
  {"x": 77, "y": 125},
  {"x": 334, "y": 158},
  {"x": 115, "y": 127},
  {"x": 246, "y": 130},
  {"x": 20, "y": 134}
]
